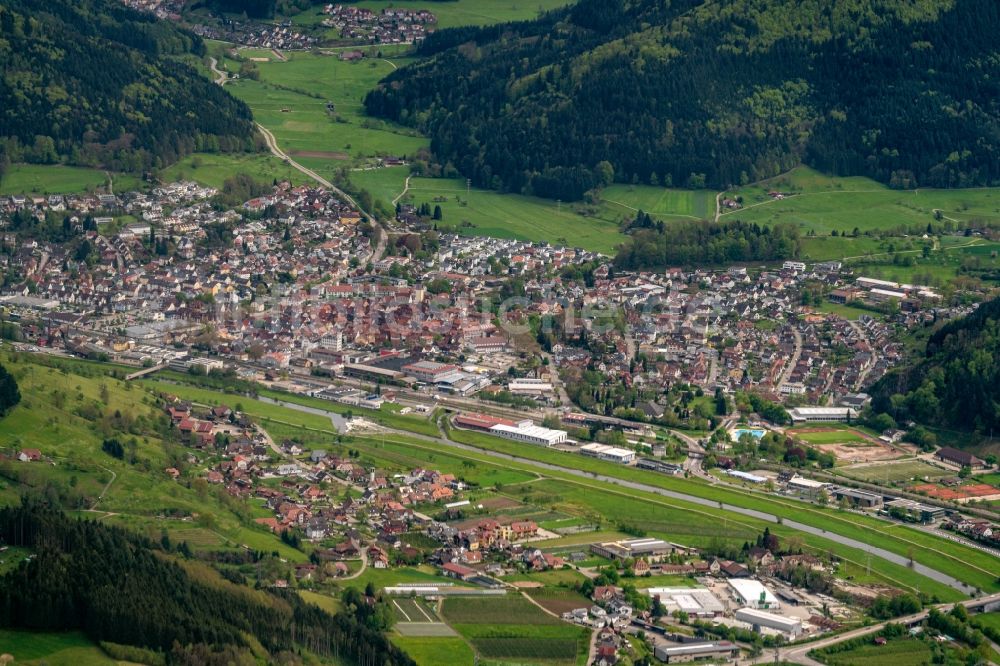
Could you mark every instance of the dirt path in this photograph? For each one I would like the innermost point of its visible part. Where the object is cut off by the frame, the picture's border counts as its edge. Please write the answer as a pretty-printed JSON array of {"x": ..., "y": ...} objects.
[{"x": 406, "y": 188}]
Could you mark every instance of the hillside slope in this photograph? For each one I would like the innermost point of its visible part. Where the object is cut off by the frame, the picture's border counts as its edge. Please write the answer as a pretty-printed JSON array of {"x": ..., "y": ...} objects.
[
  {"x": 712, "y": 92},
  {"x": 957, "y": 383},
  {"x": 88, "y": 81}
]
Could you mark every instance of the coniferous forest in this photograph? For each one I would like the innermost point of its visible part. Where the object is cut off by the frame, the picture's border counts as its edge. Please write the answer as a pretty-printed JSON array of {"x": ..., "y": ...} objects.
[
  {"x": 117, "y": 586},
  {"x": 94, "y": 83},
  {"x": 710, "y": 93}
]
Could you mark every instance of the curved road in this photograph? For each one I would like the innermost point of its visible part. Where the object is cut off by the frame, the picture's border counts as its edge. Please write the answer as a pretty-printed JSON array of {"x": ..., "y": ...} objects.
[
  {"x": 272, "y": 144},
  {"x": 933, "y": 574}
]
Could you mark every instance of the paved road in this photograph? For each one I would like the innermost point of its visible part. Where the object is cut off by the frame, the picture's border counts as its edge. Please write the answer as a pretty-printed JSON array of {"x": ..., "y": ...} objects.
[
  {"x": 794, "y": 360},
  {"x": 799, "y": 654},
  {"x": 272, "y": 145},
  {"x": 924, "y": 570}
]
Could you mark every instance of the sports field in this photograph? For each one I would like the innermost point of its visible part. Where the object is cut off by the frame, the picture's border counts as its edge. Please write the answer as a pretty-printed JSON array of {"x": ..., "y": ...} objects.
[{"x": 891, "y": 472}]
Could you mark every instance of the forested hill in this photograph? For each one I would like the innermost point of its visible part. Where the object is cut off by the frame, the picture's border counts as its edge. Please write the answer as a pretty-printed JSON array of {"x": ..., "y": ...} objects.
[
  {"x": 117, "y": 587},
  {"x": 712, "y": 92},
  {"x": 89, "y": 81},
  {"x": 957, "y": 383}
]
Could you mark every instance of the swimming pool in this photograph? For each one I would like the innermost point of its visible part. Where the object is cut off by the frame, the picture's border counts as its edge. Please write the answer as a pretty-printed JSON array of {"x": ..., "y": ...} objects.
[{"x": 737, "y": 433}]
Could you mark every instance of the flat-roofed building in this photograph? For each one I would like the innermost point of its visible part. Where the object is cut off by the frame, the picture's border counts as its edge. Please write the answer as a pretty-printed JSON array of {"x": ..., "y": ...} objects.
[
  {"x": 687, "y": 652},
  {"x": 652, "y": 550},
  {"x": 759, "y": 620},
  {"x": 430, "y": 371},
  {"x": 695, "y": 601},
  {"x": 822, "y": 414},
  {"x": 528, "y": 432},
  {"x": 856, "y": 497},
  {"x": 752, "y": 593},
  {"x": 610, "y": 453},
  {"x": 806, "y": 487}
]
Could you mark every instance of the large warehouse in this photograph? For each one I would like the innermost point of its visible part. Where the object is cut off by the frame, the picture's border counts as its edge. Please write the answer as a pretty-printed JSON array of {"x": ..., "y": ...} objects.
[
  {"x": 695, "y": 601},
  {"x": 526, "y": 431},
  {"x": 611, "y": 453},
  {"x": 759, "y": 619},
  {"x": 652, "y": 550},
  {"x": 752, "y": 593},
  {"x": 679, "y": 654}
]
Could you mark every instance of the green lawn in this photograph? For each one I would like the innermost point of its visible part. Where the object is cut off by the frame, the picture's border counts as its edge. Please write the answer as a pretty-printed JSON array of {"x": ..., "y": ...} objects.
[
  {"x": 62, "y": 649},
  {"x": 59, "y": 179},
  {"x": 828, "y": 435},
  {"x": 291, "y": 100},
  {"x": 382, "y": 578},
  {"x": 433, "y": 651},
  {"x": 489, "y": 213},
  {"x": 212, "y": 169},
  {"x": 625, "y": 200},
  {"x": 898, "y": 652},
  {"x": 823, "y": 204},
  {"x": 894, "y": 471}
]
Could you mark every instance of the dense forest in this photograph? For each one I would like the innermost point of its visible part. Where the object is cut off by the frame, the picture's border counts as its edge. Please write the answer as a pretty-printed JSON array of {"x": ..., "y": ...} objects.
[
  {"x": 92, "y": 82},
  {"x": 957, "y": 383},
  {"x": 10, "y": 395},
  {"x": 690, "y": 242},
  {"x": 118, "y": 587},
  {"x": 711, "y": 93}
]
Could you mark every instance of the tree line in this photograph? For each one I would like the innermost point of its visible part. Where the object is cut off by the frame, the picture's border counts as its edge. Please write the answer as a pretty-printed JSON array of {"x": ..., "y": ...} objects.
[
  {"x": 119, "y": 587},
  {"x": 692, "y": 242},
  {"x": 94, "y": 83},
  {"x": 535, "y": 106}
]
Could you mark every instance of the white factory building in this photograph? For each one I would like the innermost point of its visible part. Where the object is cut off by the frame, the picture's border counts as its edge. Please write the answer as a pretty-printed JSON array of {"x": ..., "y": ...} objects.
[
  {"x": 752, "y": 593},
  {"x": 696, "y": 602},
  {"x": 526, "y": 431},
  {"x": 822, "y": 414},
  {"x": 759, "y": 620},
  {"x": 605, "y": 452}
]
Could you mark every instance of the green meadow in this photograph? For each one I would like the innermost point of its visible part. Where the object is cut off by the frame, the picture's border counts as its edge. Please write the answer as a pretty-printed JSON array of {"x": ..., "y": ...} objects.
[
  {"x": 212, "y": 169},
  {"x": 823, "y": 204},
  {"x": 61, "y": 179}
]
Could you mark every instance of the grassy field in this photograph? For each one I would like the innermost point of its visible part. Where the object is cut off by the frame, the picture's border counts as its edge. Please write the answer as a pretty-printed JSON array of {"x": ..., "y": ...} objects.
[
  {"x": 433, "y": 651},
  {"x": 62, "y": 649},
  {"x": 559, "y": 599},
  {"x": 898, "y": 652},
  {"x": 828, "y": 435},
  {"x": 824, "y": 204},
  {"x": 903, "y": 470},
  {"x": 291, "y": 98},
  {"x": 512, "y": 628},
  {"x": 212, "y": 169},
  {"x": 488, "y": 213},
  {"x": 59, "y": 179},
  {"x": 660, "y": 202}
]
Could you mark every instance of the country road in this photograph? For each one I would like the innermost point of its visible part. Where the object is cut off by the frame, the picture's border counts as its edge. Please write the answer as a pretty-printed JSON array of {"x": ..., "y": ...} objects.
[{"x": 272, "y": 145}]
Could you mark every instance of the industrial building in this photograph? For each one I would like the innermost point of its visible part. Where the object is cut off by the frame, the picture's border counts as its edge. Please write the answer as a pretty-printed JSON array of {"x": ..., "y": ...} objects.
[
  {"x": 759, "y": 620},
  {"x": 611, "y": 453},
  {"x": 679, "y": 654},
  {"x": 806, "y": 487},
  {"x": 746, "y": 476},
  {"x": 860, "y": 498},
  {"x": 918, "y": 511},
  {"x": 822, "y": 414},
  {"x": 696, "y": 602},
  {"x": 752, "y": 593},
  {"x": 526, "y": 431},
  {"x": 652, "y": 550}
]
